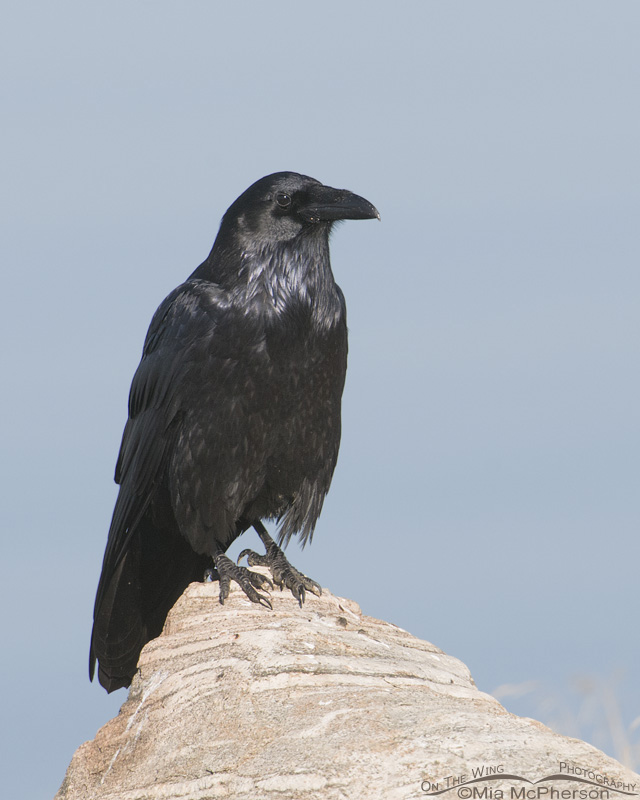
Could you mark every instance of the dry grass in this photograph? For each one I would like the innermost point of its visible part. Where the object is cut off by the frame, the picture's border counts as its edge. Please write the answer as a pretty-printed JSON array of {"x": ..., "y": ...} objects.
[{"x": 590, "y": 710}]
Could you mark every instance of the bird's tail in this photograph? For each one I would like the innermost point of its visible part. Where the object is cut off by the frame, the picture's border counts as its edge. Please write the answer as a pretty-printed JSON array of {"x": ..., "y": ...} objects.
[
  {"x": 157, "y": 567},
  {"x": 118, "y": 629}
]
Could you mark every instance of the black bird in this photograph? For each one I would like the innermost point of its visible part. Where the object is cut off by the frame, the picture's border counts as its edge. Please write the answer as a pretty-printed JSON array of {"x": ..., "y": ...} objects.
[{"x": 234, "y": 417}]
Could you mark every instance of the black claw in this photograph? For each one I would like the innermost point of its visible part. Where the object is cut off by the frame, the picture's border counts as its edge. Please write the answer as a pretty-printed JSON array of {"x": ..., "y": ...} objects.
[
  {"x": 257, "y": 579},
  {"x": 247, "y": 580},
  {"x": 284, "y": 574},
  {"x": 224, "y": 590},
  {"x": 253, "y": 559}
]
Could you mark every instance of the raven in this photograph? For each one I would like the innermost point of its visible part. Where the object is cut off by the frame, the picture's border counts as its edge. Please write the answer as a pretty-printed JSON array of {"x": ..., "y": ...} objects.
[{"x": 234, "y": 417}]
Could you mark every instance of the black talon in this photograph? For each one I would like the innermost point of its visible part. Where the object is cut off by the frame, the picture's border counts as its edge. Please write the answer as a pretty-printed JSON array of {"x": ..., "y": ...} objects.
[
  {"x": 253, "y": 559},
  {"x": 247, "y": 580},
  {"x": 284, "y": 574}
]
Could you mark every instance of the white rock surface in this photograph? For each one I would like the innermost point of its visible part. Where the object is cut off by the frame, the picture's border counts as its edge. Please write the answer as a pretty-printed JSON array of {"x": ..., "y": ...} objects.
[{"x": 321, "y": 702}]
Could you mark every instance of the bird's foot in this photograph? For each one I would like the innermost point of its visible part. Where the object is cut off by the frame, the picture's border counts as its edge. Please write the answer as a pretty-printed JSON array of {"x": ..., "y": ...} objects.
[
  {"x": 284, "y": 574},
  {"x": 248, "y": 581}
]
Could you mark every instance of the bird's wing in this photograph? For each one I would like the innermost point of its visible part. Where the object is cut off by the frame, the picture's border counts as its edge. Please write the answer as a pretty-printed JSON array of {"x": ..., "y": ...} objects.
[{"x": 179, "y": 326}]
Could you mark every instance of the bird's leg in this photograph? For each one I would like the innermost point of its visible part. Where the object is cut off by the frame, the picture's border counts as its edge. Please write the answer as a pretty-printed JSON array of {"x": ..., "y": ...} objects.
[
  {"x": 247, "y": 580},
  {"x": 283, "y": 573}
]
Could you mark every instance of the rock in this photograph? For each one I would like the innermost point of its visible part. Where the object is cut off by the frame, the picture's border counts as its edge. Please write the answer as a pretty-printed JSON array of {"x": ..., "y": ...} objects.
[{"x": 318, "y": 703}]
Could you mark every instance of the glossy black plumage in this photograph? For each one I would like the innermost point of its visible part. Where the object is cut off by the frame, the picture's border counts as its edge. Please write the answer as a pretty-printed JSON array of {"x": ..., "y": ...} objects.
[{"x": 234, "y": 413}]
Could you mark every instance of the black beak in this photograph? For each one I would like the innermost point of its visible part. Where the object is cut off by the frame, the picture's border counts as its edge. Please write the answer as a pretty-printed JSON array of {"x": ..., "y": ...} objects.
[{"x": 324, "y": 204}]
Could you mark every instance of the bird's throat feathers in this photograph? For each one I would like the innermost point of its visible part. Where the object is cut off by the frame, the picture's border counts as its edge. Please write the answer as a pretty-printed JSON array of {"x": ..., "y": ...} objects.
[{"x": 278, "y": 278}]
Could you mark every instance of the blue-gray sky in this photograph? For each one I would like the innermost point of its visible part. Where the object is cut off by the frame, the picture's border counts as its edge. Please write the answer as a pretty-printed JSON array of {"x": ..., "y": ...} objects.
[{"x": 486, "y": 496}]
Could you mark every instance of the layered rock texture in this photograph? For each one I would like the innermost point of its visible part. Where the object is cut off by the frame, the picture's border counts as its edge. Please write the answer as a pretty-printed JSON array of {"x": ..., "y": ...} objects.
[{"x": 322, "y": 702}]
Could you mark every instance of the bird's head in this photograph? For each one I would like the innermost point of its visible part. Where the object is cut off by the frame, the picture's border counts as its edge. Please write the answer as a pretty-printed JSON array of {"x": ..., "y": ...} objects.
[{"x": 282, "y": 206}]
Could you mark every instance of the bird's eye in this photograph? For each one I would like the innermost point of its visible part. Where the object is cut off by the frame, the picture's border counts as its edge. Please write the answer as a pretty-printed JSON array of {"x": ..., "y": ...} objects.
[{"x": 283, "y": 199}]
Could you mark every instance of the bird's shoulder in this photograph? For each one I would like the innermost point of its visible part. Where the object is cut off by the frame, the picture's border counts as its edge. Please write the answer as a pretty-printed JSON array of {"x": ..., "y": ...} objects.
[
  {"x": 188, "y": 328},
  {"x": 193, "y": 309}
]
